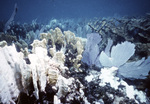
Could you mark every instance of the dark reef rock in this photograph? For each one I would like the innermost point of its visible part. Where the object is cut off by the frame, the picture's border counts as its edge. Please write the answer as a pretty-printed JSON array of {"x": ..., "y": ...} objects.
[
  {"x": 8, "y": 38},
  {"x": 75, "y": 96}
]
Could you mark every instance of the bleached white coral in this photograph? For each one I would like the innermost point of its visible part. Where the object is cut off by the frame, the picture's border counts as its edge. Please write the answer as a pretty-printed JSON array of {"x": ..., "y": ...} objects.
[
  {"x": 38, "y": 70},
  {"x": 69, "y": 36},
  {"x": 63, "y": 85},
  {"x": 120, "y": 54},
  {"x": 47, "y": 71},
  {"x": 14, "y": 73},
  {"x": 37, "y": 43},
  {"x": 108, "y": 75},
  {"x": 59, "y": 57}
]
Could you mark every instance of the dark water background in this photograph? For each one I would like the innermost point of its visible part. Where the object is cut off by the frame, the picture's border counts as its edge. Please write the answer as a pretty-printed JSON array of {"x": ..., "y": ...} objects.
[{"x": 44, "y": 10}]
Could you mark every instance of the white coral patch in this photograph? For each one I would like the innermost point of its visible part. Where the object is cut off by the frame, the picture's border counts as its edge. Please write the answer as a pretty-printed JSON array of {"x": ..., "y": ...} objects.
[
  {"x": 108, "y": 75},
  {"x": 89, "y": 78}
]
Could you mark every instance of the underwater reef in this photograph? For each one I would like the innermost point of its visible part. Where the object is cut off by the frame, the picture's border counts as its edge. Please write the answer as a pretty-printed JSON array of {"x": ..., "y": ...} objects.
[{"x": 97, "y": 61}]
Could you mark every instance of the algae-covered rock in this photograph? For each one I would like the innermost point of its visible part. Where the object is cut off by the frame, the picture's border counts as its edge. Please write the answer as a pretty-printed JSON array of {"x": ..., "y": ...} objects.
[{"x": 8, "y": 38}]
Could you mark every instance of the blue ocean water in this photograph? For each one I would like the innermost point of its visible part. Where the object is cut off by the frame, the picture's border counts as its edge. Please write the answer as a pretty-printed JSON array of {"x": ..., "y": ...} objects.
[{"x": 44, "y": 10}]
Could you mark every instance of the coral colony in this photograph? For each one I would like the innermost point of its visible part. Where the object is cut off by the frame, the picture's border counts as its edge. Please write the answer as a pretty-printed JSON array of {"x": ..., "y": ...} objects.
[{"x": 98, "y": 61}]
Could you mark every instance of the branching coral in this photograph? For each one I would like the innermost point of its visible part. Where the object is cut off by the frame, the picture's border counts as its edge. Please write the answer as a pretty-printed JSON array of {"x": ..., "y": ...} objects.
[
  {"x": 64, "y": 46},
  {"x": 22, "y": 75},
  {"x": 45, "y": 72}
]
